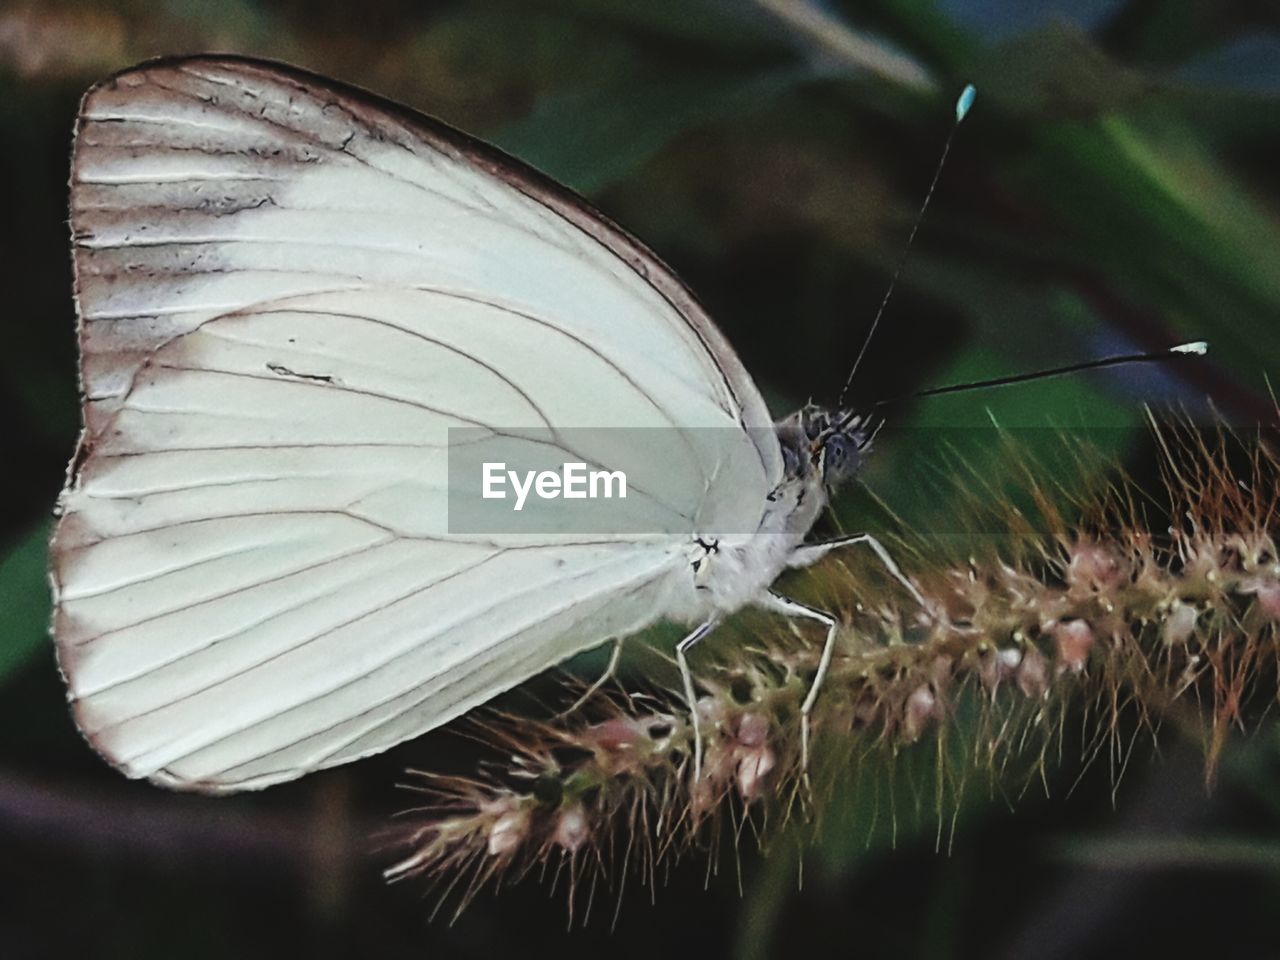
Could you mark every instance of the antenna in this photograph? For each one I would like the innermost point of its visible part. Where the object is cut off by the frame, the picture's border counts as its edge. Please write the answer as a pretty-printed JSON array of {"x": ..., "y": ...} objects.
[
  {"x": 963, "y": 104},
  {"x": 1197, "y": 349}
]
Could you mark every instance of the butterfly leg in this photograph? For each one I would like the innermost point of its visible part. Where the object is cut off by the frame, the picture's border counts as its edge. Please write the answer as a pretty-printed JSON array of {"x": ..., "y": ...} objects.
[
  {"x": 793, "y": 608},
  {"x": 614, "y": 656},
  {"x": 682, "y": 649},
  {"x": 810, "y": 554}
]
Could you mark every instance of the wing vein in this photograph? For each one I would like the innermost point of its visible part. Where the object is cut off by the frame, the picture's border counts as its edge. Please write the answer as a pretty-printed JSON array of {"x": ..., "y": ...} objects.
[
  {"x": 294, "y": 647},
  {"x": 214, "y": 641},
  {"x": 402, "y": 654}
]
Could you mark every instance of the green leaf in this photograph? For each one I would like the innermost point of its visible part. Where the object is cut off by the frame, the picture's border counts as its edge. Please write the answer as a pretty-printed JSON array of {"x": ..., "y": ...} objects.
[
  {"x": 593, "y": 138},
  {"x": 24, "y": 600},
  {"x": 734, "y": 26},
  {"x": 1173, "y": 229},
  {"x": 1057, "y": 71},
  {"x": 1161, "y": 853}
]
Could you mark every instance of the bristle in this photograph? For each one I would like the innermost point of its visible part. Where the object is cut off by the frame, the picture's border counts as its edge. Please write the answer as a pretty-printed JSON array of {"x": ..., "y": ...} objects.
[{"x": 1100, "y": 610}]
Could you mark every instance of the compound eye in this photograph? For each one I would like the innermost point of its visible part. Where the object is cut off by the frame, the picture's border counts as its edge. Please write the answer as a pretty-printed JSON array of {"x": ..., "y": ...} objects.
[{"x": 840, "y": 458}]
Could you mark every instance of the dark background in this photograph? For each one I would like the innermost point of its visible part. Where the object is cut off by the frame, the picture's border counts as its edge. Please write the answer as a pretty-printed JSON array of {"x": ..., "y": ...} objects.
[{"x": 1115, "y": 188}]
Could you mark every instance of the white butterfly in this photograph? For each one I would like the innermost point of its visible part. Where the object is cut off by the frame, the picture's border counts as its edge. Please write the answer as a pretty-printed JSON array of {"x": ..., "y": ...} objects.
[{"x": 289, "y": 291}]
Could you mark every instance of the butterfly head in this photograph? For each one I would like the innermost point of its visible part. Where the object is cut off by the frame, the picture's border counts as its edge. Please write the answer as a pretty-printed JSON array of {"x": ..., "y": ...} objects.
[{"x": 828, "y": 444}]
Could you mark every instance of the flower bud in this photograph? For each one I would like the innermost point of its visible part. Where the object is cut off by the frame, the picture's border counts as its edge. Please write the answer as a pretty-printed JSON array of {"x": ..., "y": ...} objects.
[
  {"x": 571, "y": 828},
  {"x": 921, "y": 709},
  {"x": 1091, "y": 567},
  {"x": 753, "y": 729},
  {"x": 1269, "y": 599},
  {"x": 752, "y": 769},
  {"x": 1033, "y": 674},
  {"x": 1266, "y": 594},
  {"x": 621, "y": 733},
  {"x": 1074, "y": 639},
  {"x": 507, "y": 832},
  {"x": 997, "y": 665},
  {"x": 710, "y": 711},
  {"x": 1179, "y": 624}
]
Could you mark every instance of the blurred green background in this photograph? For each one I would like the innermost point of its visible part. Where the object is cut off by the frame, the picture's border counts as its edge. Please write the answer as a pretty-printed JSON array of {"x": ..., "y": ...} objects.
[{"x": 1115, "y": 188}]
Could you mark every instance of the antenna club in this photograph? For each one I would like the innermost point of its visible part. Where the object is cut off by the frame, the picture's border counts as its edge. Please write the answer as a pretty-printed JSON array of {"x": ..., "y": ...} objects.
[
  {"x": 1199, "y": 348},
  {"x": 963, "y": 104}
]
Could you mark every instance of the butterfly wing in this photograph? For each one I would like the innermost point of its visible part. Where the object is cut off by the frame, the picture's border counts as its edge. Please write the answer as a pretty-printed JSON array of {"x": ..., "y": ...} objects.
[{"x": 289, "y": 293}]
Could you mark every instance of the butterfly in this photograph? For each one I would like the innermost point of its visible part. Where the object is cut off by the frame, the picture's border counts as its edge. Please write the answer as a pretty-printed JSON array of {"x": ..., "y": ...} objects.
[{"x": 290, "y": 292}]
